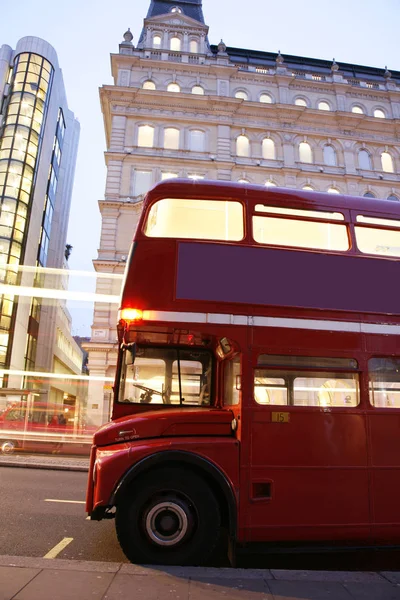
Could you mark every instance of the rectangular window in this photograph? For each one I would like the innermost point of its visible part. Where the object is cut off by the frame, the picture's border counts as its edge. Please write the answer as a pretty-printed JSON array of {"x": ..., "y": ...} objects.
[
  {"x": 232, "y": 383},
  {"x": 298, "y": 233},
  {"x": 142, "y": 181},
  {"x": 302, "y": 385},
  {"x": 166, "y": 376},
  {"x": 146, "y": 136},
  {"x": 384, "y": 382},
  {"x": 196, "y": 219},
  {"x": 168, "y": 175},
  {"x": 309, "y": 214},
  {"x": 383, "y": 242}
]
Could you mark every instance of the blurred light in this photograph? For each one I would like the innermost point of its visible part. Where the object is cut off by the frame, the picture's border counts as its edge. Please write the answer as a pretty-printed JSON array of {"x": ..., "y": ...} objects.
[
  {"x": 34, "y": 292},
  {"x": 66, "y": 376},
  {"x": 130, "y": 314}
]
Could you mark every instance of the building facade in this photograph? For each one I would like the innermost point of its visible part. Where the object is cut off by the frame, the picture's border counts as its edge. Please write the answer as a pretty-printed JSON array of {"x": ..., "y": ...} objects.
[
  {"x": 182, "y": 107},
  {"x": 38, "y": 148}
]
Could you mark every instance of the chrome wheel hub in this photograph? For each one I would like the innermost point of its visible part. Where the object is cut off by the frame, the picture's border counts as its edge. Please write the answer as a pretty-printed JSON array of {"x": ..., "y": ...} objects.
[{"x": 166, "y": 523}]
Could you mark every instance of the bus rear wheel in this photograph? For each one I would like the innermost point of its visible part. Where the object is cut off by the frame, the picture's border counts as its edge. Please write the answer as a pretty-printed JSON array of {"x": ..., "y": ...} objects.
[{"x": 168, "y": 517}]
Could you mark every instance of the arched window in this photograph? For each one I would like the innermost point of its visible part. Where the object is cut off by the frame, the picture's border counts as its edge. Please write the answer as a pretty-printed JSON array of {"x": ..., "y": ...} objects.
[
  {"x": 270, "y": 183},
  {"x": 145, "y": 136},
  {"x": 379, "y": 114},
  {"x": 305, "y": 153},
  {"x": 329, "y": 156},
  {"x": 241, "y": 95},
  {"x": 176, "y": 9},
  {"x": 194, "y": 46},
  {"x": 173, "y": 87},
  {"x": 364, "y": 160},
  {"x": 393, "y": 197},
  {"x": 242, "y": 146},
  {"x": 323, "y": 105},
  {"x": 300, "y": 102},
  {"x": 175, "y": 44},
  {"x": 266, "y": 99},
  {"x": 387, "y": 162},
  {"x": 369, "y": 195},
  {"x": 197, "y": 89},
  {"x": 268, "y": 149},
  {"x": 308, "y": 187},
  {"x": 149, "y": 85},
  {"x": 333, "y": 190},
  {"x": 171, "y": 138},
  {"x": 197, "y": 140},
  {"x": 156, "y": 41},
  {"x": 357, "y": 109}
]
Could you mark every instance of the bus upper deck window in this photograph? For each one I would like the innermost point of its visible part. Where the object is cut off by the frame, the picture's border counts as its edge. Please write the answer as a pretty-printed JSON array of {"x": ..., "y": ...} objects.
[
  {"x": 196, "y": 219},
  {"x": 276, "y": 227},
  {"x": 372, "y": 240}
]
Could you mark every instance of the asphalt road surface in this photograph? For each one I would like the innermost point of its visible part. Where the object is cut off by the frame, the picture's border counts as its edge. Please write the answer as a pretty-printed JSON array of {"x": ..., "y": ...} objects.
[{"x": 43, "y": 513}]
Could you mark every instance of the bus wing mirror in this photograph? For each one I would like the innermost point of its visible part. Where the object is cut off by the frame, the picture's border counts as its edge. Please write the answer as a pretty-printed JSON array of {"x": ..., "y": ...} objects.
[{"x": 130, "y": 353}]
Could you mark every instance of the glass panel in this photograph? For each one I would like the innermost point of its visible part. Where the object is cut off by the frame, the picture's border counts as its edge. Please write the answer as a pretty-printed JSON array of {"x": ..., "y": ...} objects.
[
  {"x": 241, "y": 95},
  {"x": 305, "y": 153},
  {"x": 323, "y": 106},
  {"x": 387, "y": 162},
  {"x": 165, "y": 176},
  {"x": 306, "y": 389},
  {"x": 311, "y": 214},
  {"x": 379, "y": 114},
  {"x": 142, "y": 182},
  {"x": 156, "y": 41},
  {"x": 171, "y": 138},
  {"x": 265, "y": 99},
  {"x": 173, "y": 87},
  {"x": 384, "y": 382},
  {"x": 242, "y": 146},
  {"x": 268, "y": 149},
  {"x": 357, "y": 109},
  {"x": 300, "y": 102},
  {"x": 197, "y": 89},
  {"x": 197, "y": 139},
  {"x": 145, "y": 136},
  {"x": 303, "y": 234},
  {"x": 167, "y": 376},
  {"x": 149, "y": 85},
  {"x": 175, "y": 44},
  {"x": 378, "y": 241},
  {"x": 329, "y": 156},
  {"x": 364, "y": 160},
  {"x": 232, "y": 372},
  {"x": 377, "y": 221},
  {"x": 198, "y": 219},
  {"x": 194, "y": 46}
]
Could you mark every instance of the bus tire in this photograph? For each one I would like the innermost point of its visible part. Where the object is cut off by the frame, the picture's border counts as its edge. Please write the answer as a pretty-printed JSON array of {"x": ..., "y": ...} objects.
[{"x": 168, "y": 517}]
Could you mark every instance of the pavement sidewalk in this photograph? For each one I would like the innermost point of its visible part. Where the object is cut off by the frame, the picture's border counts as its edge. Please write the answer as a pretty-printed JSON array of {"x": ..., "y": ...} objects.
[
  {"x": 40, "y": 461},
  {"x": 56, "y": 579}
]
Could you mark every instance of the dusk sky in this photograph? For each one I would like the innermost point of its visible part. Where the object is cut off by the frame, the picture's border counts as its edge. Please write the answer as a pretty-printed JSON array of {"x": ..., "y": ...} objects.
[{"x": 85, "y": 32}]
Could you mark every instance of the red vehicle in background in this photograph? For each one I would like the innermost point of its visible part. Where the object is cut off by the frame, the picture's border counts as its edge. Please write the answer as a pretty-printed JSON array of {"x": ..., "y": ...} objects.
[
  {"x": 258, "y": 377},
  {"x": 36, "y": 426}
]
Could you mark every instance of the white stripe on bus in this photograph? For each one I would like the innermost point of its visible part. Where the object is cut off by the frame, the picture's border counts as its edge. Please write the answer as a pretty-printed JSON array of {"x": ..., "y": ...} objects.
[{"x": 256, "y": 321}]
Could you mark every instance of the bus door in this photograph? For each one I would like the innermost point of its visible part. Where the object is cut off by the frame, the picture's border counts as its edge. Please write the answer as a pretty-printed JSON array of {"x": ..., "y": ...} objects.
[
  {"x": 384, "y": 432},
  {"x": 308, "y": 466}
]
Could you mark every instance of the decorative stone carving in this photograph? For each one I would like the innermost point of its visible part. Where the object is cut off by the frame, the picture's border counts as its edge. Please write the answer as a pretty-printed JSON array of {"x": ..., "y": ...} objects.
[
  {"x": 221, "y": 47},
  {"x": 387, "y": 74},
  {"x": 334, "y": 66},
  {"x": 128, "y": 37}
]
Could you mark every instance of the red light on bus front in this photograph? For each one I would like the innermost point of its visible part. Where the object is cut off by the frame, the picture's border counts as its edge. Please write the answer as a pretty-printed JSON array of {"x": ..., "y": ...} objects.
[{"x": 131, "y": 314}]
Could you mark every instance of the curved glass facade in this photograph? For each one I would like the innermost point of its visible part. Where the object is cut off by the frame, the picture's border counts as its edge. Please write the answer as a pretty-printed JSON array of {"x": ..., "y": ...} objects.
[{"x": 20, "y": 143}]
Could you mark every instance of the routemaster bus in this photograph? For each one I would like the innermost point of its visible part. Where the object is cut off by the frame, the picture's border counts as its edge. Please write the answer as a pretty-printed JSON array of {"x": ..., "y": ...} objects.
[{"x": 257, "y": 388}]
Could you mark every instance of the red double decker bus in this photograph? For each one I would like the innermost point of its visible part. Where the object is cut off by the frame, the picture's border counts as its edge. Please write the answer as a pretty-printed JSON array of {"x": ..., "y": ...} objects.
[{"x": 258, "y": 378}]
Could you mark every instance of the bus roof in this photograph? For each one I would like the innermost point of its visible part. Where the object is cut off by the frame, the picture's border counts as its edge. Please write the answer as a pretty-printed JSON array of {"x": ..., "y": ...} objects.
[{"x": 226, "y": 190}]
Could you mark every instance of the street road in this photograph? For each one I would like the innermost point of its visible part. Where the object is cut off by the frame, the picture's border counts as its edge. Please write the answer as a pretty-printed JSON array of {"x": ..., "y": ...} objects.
[
  {"x": 43, "y": 513},
  {"x": 32, "y": 526}
]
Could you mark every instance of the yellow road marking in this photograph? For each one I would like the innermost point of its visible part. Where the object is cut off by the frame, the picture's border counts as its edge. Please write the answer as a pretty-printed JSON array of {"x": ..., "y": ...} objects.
[{"x": 58, "y": 548}]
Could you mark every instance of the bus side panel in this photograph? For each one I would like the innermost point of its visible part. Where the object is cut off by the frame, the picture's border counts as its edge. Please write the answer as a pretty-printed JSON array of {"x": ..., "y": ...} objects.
[
  {"x": 384, "y": 427},
  {"x": 314, "y": 467}
]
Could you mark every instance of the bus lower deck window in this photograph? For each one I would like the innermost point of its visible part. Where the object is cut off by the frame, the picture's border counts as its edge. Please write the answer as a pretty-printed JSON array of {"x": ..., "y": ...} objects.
[{"x": 384, "y": 382}]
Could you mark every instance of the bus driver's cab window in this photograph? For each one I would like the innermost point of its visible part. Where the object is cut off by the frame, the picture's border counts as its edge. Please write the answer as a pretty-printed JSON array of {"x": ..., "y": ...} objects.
[{"x": 164, "y": 375}]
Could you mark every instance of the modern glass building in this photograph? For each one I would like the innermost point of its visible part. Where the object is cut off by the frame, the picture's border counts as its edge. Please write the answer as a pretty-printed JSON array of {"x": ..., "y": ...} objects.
[{"x": 38, "y": 149}]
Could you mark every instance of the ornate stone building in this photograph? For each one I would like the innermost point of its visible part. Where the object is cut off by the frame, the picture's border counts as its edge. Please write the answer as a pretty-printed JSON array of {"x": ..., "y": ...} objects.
[{"x": 182, "y": 107}]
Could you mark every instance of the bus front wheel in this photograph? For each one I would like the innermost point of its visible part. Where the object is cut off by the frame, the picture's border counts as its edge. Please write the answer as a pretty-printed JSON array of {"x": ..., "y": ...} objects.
[
  {"x": 168, "y": 517},
  {"x": 7, "y": 446}
]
